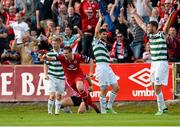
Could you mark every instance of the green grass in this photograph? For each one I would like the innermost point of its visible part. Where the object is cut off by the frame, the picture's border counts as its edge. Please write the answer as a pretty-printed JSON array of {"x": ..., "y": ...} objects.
[{"x": 132, "y": 114}]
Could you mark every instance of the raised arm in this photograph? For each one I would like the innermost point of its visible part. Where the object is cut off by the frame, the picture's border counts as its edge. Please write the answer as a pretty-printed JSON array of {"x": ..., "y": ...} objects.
[
  {"x": 138, "y": 19},
  {"x": 46, "y": 57},
  {"x": 98, "y": 25},
  {"x": 112, "y": 10}
]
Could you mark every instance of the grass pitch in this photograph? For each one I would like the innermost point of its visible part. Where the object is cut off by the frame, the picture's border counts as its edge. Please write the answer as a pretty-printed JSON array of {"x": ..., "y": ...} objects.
[{"x": 131, "y": 114}]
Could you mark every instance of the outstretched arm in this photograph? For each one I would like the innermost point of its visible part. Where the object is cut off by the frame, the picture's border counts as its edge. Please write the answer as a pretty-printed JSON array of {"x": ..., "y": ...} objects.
[
  {"x": 138, "y": 19},
  {"x": 98, "y": 25},
  {"x": 46, "y": 57}
]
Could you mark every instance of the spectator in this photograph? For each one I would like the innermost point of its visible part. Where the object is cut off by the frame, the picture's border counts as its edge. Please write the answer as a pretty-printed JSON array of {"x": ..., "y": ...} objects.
[
  {"x": 173, "y": 41},
  {"x": 60, "y": 14},
  {"x": 20, "y": 28},
  {"x": 69, "y": 38},
  {"x": 138, "y": 35},
  {"x": 147, "y": 54},
  {"x": 3, "y": 37},
  {"x": 10, "y": 57},
  {"x": 74, "y": 19},
  {"x": 23, "y": 48},
  {"x": 108, "y": 16},
  {"x": 43, "y": 12},
  {"x": 120, "y": 49}
]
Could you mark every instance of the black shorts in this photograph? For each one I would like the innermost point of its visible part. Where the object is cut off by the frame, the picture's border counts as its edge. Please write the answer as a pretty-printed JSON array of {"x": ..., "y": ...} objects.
[{"x": 76, "y": 100}]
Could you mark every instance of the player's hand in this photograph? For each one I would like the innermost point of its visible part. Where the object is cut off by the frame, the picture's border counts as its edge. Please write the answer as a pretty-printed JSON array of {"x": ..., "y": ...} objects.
[
  {"x": 44, "y": 57},
  {"x": 75, "y": 27}
]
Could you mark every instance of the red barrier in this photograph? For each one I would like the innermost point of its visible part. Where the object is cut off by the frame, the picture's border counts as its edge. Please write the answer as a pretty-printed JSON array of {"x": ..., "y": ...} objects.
[{"x": 26, "y": 83}]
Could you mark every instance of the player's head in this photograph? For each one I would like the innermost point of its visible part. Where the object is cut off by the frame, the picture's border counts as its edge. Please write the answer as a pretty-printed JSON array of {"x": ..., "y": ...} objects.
[
  {"x": 68, "y": 52},
  {"x": 103, "y": 34},
  {"x": 152, "y": 27},
  {"x": 56, "y": 42}
]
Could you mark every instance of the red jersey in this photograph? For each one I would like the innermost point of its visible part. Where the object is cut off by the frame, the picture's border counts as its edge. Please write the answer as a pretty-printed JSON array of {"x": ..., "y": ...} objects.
[{"x": 72, "y": 68}]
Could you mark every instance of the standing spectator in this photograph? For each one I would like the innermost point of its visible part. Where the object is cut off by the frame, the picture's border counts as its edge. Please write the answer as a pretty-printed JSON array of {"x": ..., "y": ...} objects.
[
  {"x": 88, "y": 26},
  {"x": 140, "y": 5},
  {"x": 74, "y": 19},
  {"x": 107, "y": 15},
  {"x": 69, "y": 38},
  {"x": 103, "y": 71},
  {"x": 20, "y": 28},
  {"x": 173, "y": 42},
  {"x": 119, "y": 21},
  {"x": 54, "y": 73},
  {"x": 23, "y": 49},
  {"x": 159, "y": 64},
  {"x": 120, "y": 49},
  {"x": 59, "y": 14},
  {"x": 3, "y": 38},
  {"x": 43, "y": 12},
  {"x": 138, "y": 39}
]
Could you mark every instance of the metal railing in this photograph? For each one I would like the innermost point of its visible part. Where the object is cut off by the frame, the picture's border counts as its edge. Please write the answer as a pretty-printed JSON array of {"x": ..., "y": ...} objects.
[{"x": 177, "y": 79}]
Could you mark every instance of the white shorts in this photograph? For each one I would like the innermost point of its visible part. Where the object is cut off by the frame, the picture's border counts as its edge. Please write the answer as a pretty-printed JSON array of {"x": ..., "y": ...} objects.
[
  {"x": 159, "y": 72},
  {"x": 105, "y": 75},
  {"x": 56, "y": 85}
]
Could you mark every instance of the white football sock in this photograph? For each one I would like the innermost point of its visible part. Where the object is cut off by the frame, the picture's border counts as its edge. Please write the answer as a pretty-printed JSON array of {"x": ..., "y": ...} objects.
[
  {"x": 57, "y": 106},
  {"x": 160, "y": 102},
  {"x": 50, "y": 106},
  {"x": 111, "y": 100},
  {"x": 103, "y": 104}
]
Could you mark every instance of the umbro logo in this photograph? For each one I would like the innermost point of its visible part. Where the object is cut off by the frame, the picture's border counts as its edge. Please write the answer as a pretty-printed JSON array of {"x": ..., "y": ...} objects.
[{"x": 141, "y": 77}]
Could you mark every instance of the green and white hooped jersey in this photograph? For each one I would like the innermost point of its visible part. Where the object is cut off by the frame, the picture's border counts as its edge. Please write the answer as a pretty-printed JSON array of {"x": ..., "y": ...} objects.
[
  {"x": 54, "y": 67},
  {"x": 100, "y": 51},
  {"x": 158, "y": 46}
]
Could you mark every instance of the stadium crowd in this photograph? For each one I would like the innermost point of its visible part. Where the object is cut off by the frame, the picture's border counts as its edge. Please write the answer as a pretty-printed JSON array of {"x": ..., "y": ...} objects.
[{"x": 27, "y": 28}]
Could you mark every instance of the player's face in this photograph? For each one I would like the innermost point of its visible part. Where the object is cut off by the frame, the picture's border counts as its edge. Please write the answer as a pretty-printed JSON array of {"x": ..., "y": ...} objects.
[
  {"x": 103, "y": 36},
  {"x": 55, "y": 45},
  {"x": 150, "y": 29},
  {"x": 67, "y": 55}
]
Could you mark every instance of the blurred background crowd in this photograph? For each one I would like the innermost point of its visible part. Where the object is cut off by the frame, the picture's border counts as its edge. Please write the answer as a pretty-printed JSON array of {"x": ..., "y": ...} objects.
[{"x": 27, "y": 28}]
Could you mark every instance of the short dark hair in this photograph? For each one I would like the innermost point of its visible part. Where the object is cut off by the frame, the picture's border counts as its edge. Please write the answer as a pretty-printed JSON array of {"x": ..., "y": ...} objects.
[
  {"x": 102, "y": 30},
  {"x": 154, "y": 23},
  {"x": 68, "y": 48}
]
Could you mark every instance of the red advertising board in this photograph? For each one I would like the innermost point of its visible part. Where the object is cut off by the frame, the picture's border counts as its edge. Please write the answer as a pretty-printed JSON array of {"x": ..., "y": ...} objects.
[{"x": 26, "y": 83}]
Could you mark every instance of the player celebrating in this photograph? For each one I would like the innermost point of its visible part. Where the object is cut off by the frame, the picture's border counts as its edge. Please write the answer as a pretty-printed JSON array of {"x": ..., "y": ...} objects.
[
  {"x": 159, "y": 64},
  {"x": 103, "y": 71},
  {"x": 74, "y": 75},
  {"x": 55, "y": 75}
]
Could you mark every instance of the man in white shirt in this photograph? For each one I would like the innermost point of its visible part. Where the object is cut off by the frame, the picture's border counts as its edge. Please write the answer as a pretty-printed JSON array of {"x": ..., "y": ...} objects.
[{"x": 20, "y": 28}]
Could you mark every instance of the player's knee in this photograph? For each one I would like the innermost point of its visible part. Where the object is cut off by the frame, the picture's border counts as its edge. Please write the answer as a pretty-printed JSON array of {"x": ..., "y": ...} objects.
[
  {"x": 116, "y": 88},
  {"x": 51, "y": 97}
]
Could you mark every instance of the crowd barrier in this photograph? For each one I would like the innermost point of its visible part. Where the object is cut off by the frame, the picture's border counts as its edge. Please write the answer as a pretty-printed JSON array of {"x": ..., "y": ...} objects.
[{"x": 26, "y": 83}]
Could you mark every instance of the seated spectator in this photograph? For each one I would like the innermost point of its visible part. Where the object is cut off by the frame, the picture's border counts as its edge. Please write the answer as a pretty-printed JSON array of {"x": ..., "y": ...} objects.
[
  {"x": 147, "y": 55},
  {"x": 10, "y": 57}
]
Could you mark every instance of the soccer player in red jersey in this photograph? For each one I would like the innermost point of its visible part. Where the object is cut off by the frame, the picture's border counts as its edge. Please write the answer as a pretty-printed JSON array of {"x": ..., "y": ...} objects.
[{"x": 74, "y": 75}]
